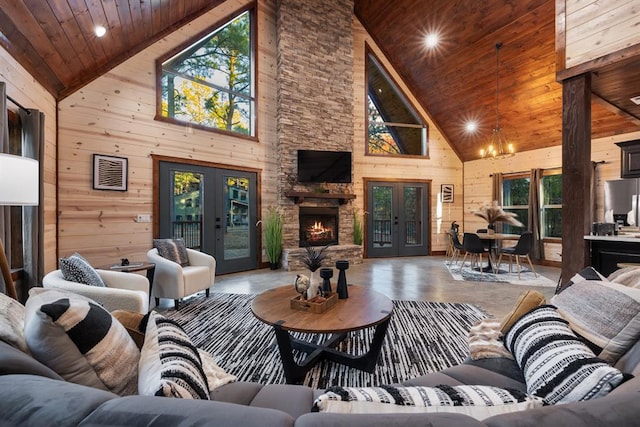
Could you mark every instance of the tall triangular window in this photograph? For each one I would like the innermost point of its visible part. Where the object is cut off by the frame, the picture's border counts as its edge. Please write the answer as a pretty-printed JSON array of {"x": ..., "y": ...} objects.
[
  {"x": 210, "y": 83},
  {"x": 394, "y": 127}
]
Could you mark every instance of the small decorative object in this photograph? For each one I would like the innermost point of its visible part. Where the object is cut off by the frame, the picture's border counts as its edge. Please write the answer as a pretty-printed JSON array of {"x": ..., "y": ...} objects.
[
  {"x": 341, "y": 289},
  {"x": 492, "y": 213},
  {"x": 317, "y": 304},
  {"x": 447, "y": 193},
  {"x": 124, "y": 262},
  {"x": 301, "y": 285},
  {"x": 326, "y": 274},
  {"x": 313, "y": 259},
  {"x": 109, "y": 172}
]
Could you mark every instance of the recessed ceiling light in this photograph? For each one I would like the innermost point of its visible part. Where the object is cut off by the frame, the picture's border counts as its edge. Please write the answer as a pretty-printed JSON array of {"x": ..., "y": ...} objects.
[
  {"x": 636, "y": 100},
  {"x": 432, "y": 40},
  {"x": 100, "y": 30},
  {"x": 471, "y": 126}
]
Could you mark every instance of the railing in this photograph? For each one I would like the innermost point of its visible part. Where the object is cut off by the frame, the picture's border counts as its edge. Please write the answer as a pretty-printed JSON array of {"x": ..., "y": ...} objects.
[
  {"x": 190, "y": 231},
  {"x": 411, "y": 232},
  {"x": 381, "y": 231}
]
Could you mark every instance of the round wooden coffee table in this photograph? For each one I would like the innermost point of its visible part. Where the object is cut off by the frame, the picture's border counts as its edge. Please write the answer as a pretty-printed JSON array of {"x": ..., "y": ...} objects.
[{"x": 364, "y": 308}]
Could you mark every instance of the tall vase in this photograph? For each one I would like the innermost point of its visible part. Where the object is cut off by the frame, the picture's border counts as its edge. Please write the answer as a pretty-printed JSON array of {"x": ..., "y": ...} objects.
[
  {"x": 341, "y": 288},
  {"x": 313, "y": 284},
  {"x": 491, "y": 228}
]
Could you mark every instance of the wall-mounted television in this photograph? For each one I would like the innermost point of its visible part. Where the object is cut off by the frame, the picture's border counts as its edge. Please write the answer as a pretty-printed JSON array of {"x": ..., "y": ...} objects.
[{"x": 324, "y": 166}]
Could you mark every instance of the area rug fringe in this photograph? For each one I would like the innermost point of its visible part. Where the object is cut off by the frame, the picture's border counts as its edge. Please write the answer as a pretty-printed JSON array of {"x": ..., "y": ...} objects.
[{"x": 423, "y": 337}]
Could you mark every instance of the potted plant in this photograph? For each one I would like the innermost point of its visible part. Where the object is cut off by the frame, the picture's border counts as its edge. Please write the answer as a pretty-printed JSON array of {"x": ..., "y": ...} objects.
[
  {"x": 358, "y": 231},
  {"x": 272, "y": 223},
  {"x": 493, "y": 212}
]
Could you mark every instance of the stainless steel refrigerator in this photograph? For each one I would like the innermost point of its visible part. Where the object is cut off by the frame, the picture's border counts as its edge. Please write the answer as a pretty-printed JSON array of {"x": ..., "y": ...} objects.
[{"x": 621, "y": 198}]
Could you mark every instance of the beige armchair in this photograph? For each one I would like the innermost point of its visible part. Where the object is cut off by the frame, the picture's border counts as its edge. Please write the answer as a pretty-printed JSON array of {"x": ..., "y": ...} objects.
[
  {"x": 123, "y": 291},
  {"x": 175, "y": 282}
]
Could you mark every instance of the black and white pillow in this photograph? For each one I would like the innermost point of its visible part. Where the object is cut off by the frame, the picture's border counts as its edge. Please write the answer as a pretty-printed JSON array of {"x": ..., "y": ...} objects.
[
  {"x": 556, "y": 364},
  {"x": 170, "y": 365},
  {"x": 172, "y": 249},
  {"x": 77, "y": 269},
  {"x": 477, "y": 401},
  {"x": 81, "y": 341}
]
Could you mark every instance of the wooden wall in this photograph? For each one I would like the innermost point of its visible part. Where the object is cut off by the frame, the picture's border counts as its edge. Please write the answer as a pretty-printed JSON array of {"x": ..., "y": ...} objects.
[
  {"x": 477, "y": 182},
  {"x": 441, "y": 167},
  {"x": 595, "y": 28},
  {"x": 114, "y": 115},
  {"x": 28, "y": 93}
]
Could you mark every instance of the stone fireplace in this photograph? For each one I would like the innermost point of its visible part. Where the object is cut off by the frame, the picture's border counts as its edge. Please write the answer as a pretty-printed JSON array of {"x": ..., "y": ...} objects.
[
  {"x": 308, "y": 120},
  {"x": 318, "y": 226}
]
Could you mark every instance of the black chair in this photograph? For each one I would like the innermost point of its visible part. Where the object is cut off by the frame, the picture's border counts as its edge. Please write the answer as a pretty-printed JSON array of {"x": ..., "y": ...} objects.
[
  {"x": 472, "y": 244},
  {"x": 456, "y": 247},
  {"x": 521, "y": 249}
]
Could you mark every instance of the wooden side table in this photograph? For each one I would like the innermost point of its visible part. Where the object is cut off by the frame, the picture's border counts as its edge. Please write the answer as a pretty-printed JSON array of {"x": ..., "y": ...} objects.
[{"x": 149, "y": 267}]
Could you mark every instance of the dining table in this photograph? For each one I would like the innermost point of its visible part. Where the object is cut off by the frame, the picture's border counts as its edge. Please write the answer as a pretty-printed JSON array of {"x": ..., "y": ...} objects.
[{"x": 494, "y": 248}]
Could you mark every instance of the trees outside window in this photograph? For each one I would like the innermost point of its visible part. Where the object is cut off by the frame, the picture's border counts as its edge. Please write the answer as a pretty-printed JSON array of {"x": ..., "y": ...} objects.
[
  {"x": 394, "y": 126},
  {"x": 210, "y": 83},
  {"x": 515, "y": 199},
  {"x": 551, "y": 215}
]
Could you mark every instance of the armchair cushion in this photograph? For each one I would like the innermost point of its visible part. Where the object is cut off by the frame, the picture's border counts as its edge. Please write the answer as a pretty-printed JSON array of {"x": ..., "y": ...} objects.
[
  {"x": 77, "y": 269},
  {"x": 12, "y": 323},
  {"x": 80, "y": 341},
  {"x": 172, "y": 249}
]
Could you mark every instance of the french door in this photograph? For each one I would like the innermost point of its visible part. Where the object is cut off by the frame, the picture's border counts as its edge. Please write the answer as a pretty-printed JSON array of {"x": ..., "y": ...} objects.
[
  {"x": 213, "y": 210},
  {"x": 398, "y": 218}
]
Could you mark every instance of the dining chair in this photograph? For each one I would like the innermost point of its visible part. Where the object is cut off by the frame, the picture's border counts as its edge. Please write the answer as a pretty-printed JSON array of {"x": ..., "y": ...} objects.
[
  {"x": 456, "y": 247},
  {"x": 472, "y": 244},
  {"x": 521, "y": 249}
]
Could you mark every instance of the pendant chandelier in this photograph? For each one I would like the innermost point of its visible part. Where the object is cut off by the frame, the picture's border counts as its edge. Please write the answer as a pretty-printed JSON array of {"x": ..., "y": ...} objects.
[{"x": 498, "y": 145}]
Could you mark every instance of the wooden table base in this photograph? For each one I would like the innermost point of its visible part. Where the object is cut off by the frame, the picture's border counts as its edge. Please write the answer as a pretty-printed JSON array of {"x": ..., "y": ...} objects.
[{"x": 295, "y": 373}]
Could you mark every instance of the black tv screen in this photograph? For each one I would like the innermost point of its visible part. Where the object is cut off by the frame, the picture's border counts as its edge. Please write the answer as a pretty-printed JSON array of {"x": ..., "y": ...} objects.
[{"x": 324, "y": 166}]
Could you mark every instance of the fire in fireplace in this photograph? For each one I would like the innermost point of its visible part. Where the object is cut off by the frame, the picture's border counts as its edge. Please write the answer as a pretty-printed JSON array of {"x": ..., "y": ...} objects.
[{"x": 318, "y": 226}]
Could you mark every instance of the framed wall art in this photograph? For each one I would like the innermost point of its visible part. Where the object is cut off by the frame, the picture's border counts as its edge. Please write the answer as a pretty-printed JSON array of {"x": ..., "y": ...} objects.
[
  {"x": 447, "y": 193},
  {"x": 109, "y": 172}
]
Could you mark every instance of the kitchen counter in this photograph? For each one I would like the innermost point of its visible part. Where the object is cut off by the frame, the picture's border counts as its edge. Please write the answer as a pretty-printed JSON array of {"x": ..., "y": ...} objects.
[
  {"x": 609, "y": 251},
  {"x": 621, "y": 237}
]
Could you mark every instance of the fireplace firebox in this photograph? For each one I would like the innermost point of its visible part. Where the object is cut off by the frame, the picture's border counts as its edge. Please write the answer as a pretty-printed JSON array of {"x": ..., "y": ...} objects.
[{"x": 318, "y": 226}]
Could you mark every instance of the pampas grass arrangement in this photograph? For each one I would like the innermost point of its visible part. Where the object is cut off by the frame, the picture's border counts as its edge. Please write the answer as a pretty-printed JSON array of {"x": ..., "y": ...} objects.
[{"x": 493, "y": 212}]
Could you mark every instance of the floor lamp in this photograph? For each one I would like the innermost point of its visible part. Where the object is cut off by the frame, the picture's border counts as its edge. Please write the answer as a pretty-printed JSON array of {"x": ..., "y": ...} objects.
[{"x": 19, "y": 186}]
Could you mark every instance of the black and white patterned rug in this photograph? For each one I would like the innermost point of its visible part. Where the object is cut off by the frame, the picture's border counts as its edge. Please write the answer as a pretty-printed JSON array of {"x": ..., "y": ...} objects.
[{"x": 423, "y": 337}]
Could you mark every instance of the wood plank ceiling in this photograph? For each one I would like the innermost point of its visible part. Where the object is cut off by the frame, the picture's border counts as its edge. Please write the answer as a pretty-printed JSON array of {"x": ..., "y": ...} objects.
[{"x": 55, "y": 42}]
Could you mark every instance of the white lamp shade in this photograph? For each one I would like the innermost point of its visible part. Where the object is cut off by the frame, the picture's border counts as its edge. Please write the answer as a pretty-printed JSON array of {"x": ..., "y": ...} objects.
[{"x": 19, "y": 181}]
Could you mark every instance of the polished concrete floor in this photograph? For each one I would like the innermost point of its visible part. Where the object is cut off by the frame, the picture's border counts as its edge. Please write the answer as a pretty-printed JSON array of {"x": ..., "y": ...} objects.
[{"x": 409, "y": 278}]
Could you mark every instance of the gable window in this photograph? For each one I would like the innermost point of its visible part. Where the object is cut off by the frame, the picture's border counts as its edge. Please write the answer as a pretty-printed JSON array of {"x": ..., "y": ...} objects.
[
  {"x": 394, "y": 127},
  {"x": 515, "y": 199},
  {"x": 210, "y": 83}
]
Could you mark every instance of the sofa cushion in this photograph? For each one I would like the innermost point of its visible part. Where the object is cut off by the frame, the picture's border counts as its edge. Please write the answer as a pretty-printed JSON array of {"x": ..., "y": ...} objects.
[
  {"x": 606, "y": 314},
  {"x": 173, "y": 250},
  {"x": 526, "y": 302},
  {"x": 14, "y": 361},
  {"x": 557, "y": 365},
  {"x": 131, "y": 321},
  {"x": 476, "y": 401},
  {"x": 77, "y": 269},
  {"x": 12, "y": 323},
  {"x": 170, "y": 365},
  {"x": 628, "y": 276},
  {"x": 80, "y": 341}
]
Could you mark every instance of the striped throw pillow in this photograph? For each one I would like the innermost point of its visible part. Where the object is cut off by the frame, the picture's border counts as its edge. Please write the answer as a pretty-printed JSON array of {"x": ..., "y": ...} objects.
[
  {"x": 170, "y": 365},
  {"x": 81, "y": 341},
  {"x": 477, "y": 401},
  {"x": 556, "y": 364}
]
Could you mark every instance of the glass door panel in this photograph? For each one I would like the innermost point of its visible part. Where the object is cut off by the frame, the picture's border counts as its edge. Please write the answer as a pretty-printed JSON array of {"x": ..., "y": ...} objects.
[
  {"x": 186, "y": 209},
  {"x": 382, "y": 216},
  {"x": 237, "y": 210}
]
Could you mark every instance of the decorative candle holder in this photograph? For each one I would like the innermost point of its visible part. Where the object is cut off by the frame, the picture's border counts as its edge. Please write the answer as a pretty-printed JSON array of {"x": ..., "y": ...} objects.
[
  {"x": 341, "y": 288},
  {"x": 326, "y": 274}
]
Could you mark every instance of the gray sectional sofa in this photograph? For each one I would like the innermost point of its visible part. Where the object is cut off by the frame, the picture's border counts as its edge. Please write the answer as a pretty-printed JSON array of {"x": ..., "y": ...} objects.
[
  {"x": 34, "y": 395},
  {"x": 606, "y": 314}
]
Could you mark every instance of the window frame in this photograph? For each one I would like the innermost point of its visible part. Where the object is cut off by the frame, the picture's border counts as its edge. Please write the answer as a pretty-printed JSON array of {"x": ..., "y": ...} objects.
[
  {"x": 424, "y": 127},
  {"x": 253, "y": 34},
  {"x": 509, "y": 208},
  {"x": 543, "y": 206}
]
